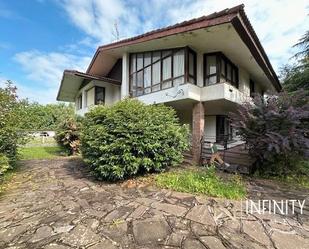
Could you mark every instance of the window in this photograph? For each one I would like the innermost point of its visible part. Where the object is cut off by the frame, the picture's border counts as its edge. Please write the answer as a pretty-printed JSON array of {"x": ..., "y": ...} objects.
[
  {"x": 252, "y": 88},
  {"x": 158, "y": 70},
  {"x": 224, "y": 129},
  {"x": 218, "y": 68},
  {"x": 99, "y": 95},
  {"x": 79, "y": 102},
  {"x": 89, "y": 100}
]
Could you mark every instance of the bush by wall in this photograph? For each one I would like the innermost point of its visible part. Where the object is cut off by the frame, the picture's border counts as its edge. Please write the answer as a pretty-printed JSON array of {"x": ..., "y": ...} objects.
[
  {"x": 132, "y": 138},
  {"x": 68, "y": 137},
  {"x": 276, "y": 131}
]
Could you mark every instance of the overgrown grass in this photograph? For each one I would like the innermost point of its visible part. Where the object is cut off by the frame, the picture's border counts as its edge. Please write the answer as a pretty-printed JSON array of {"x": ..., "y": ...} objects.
[
  {"x": 27, "y": 153},
  {"x": 298, "y": 178},
  {"x": 6, "y": 178},
  {"x": 203, "y": 181}
]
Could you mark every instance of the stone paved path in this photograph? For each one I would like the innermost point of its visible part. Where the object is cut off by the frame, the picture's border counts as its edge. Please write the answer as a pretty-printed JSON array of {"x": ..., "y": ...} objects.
[{"x": 58, "y": 205}]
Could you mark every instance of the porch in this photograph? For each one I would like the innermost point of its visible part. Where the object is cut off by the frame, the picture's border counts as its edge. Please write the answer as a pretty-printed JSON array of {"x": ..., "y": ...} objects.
[{"x": 209, "y": 122}]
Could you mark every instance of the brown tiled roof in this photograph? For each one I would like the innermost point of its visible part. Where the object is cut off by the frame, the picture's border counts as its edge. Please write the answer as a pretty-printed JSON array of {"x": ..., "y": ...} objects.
[
  {"x": 221, "y": 17},
  {"x": 230, "y": 15}
]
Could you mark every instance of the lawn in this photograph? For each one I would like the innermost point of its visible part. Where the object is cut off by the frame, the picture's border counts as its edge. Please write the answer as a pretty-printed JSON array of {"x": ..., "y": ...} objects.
[
  {"x": 203, "y": 181},
  {"x": 47, "y": 152},
  {"x": 41, "y": 141}
]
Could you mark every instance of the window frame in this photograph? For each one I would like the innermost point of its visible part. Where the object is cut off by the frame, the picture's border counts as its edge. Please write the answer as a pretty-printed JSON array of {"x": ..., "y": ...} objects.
[
  {"x": 251, "y": 88},
  {"x": 171, "y": 79},
  {"x": 219, "y": 75},
  {"x": 95, "y": 95},
  {"x": 80, "y": 101}
]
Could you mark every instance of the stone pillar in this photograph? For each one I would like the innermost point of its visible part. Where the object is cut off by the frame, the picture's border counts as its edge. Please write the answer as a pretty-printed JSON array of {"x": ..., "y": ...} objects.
[{"x": 198, "y": 123}]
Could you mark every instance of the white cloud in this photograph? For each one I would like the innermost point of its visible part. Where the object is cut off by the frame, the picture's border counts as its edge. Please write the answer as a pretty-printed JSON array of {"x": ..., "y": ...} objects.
[
  {"x": 279, "y": 23},
  {"x": 34, "y": 94},
  {"x": 47, "y": 68}
]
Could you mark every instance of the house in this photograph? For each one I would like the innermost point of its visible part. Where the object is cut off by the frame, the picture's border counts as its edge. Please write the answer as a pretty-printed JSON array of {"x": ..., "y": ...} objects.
[{"x": 203, "y": 68}]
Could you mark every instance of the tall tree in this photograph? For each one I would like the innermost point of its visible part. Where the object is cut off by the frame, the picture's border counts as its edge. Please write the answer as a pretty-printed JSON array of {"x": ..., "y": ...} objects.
[{"x": 296, "y": 76}]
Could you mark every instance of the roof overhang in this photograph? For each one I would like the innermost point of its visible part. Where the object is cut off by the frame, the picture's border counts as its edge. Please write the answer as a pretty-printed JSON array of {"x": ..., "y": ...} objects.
[
  {"x": 72, "y": 81},
  {"x": 106, "y": 55}
]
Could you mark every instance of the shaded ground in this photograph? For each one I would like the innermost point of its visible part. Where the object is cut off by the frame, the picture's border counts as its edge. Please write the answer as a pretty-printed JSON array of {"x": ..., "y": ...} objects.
[{"x": 57, "y": 204}]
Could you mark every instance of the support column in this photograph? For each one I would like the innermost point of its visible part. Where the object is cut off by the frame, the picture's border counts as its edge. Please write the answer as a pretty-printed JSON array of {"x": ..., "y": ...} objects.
[
  {"x": 125, "y": 76},
  {"x": 198, "y": 123}
]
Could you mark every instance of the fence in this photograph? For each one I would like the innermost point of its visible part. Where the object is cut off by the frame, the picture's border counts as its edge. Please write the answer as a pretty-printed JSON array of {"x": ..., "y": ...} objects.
[{"x": 233, "y": 152}]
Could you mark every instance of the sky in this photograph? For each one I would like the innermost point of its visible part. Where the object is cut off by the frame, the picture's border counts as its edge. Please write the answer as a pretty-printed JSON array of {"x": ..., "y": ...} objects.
[{"x": 41, "y": 38}]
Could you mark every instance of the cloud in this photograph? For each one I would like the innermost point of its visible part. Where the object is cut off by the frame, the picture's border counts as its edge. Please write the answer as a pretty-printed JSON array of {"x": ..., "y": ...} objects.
[
  {"x": 279, "y": 24},
  {"x": 47, "y": 68},
  {"x": 33, "y": 94},
  {"x": 44, "y": 71}
]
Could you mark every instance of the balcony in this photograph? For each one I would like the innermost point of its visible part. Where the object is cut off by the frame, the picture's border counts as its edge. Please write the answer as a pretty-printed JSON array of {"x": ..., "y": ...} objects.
[{"x": 219, "y": 91}]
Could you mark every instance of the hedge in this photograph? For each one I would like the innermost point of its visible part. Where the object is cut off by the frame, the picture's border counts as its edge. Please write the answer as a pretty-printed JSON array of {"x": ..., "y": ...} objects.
[{"x": 132, "y": 138}]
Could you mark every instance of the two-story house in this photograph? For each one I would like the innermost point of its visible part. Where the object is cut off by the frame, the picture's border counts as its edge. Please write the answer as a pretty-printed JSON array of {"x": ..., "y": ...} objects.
[{"x": 203, "y": 68}]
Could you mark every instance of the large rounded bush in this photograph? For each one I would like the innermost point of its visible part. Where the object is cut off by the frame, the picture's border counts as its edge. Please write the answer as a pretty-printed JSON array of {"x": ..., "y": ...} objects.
[{"x": 132, "y": 138}]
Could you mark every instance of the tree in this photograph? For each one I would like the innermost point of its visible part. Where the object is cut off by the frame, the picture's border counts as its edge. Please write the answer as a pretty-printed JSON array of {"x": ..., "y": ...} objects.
[
  {"x": 275, "y": 130},
  {"x": 10, "y": 135},
  {"x": 296, "y": 76},
  {"x": 45, "y": 117}
]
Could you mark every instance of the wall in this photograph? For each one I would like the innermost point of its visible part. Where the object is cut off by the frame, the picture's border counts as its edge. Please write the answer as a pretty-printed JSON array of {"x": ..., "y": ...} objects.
[
  {"x": 112, "y": 95},
  {"x": 210, "y": 128}
]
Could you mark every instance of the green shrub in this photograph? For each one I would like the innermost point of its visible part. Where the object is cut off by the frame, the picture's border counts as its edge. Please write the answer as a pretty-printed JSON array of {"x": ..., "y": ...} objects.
[
  {"x": 132, "y": 138},
  {"x": 4, "y": 164},
  {"x": 67, "y": 136},
  {"x": 10, "y": 118}
]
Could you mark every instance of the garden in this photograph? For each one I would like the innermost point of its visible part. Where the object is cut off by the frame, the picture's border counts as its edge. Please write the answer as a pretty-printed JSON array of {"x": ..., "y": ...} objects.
[{"x": 130, "y": 139}]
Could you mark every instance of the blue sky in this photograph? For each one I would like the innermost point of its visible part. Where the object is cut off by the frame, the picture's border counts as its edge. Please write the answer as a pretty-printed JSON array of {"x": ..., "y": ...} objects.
[{"x": 41, "y": 38}]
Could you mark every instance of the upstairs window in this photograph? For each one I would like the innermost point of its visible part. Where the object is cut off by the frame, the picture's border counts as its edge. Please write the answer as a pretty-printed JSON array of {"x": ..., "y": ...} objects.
[
  {"x": 99, "y": 95},
  {"x": 158, "y": 70},
  {"x": 218, "y": 68}
]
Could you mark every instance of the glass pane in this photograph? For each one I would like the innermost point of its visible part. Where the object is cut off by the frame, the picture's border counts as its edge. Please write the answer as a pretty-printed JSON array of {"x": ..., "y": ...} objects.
[
  {"x": 167, "y": 65},
  {"x": 140, "y": 80},
  {"x": 166, "y": 84},
  {"x": 211, "y": 64},
  {"x": 155, "y": 88},
  {"x": 133, "y": 84},
  {"x": 147, "y": 77},
  {"x": 147, "y": 90},
  {"x": 229, "y": 72},
  {"x": 211, "y": 80},
  {"x": 133, "y": 63},
  {"x": 222, "y": 67},
  {"x": 234, "y": 75},
  {"x": 191, "y": 64},
  {"x": 139, "y": 61},
  {"x": 156, "y": 56},
  {"x": 191, "y": 80},
  {"x": 166, "y": 53},
  {"x": 99, "y": 95},
  {"x": 179, "y": 63},
  {"x": 156, "y": 72},
  {"x": 147, "y": 59},
  {"x": 179, "y": 81}
]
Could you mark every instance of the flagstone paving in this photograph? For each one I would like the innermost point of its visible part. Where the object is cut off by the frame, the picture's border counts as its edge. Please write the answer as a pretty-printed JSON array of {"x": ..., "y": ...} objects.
[{"x": 57, "y": 204}]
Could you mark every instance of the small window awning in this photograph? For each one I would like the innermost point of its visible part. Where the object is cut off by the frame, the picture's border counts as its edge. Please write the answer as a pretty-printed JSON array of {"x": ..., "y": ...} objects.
[{"x": 73, "y": 80}]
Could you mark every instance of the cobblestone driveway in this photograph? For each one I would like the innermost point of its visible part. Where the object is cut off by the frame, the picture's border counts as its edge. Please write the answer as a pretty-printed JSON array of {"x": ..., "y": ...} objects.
[{"x": 57, "y": 205}]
